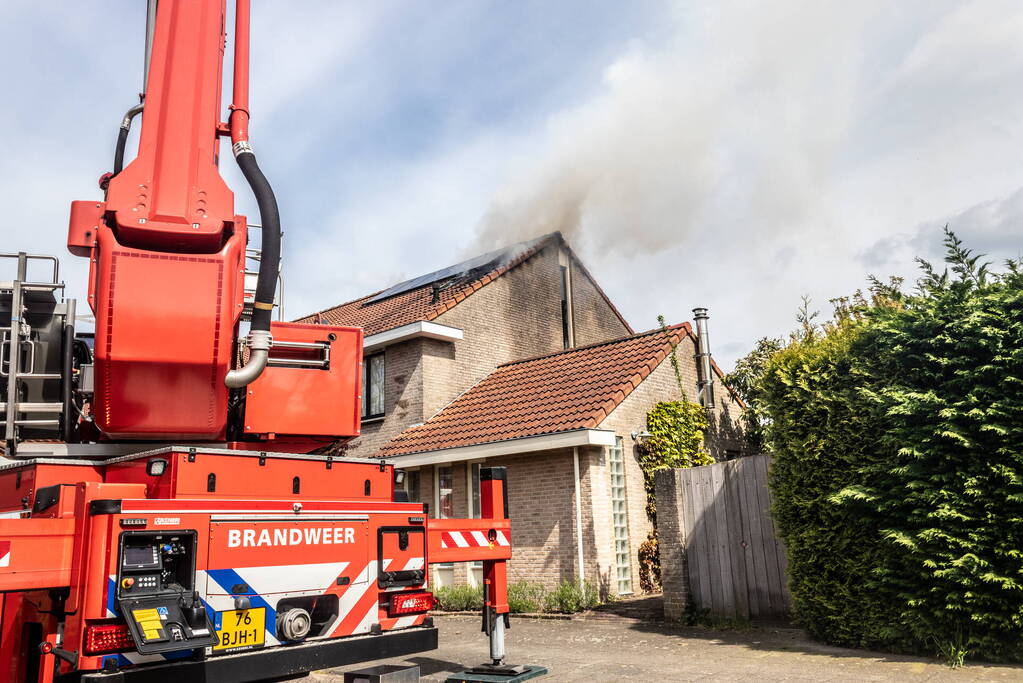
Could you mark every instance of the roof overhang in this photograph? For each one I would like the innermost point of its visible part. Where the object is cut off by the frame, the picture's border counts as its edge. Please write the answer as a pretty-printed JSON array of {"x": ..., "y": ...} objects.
[
  {"x": 526, "y": 444},
  {"x": 422, "y": 329}
]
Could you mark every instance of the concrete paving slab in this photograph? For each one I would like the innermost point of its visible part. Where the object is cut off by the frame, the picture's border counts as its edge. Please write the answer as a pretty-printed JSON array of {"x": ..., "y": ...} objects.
[{"x": 605, "y": 651}]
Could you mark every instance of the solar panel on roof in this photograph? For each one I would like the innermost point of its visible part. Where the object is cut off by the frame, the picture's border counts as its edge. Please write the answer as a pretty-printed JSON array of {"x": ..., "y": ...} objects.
[{"x": 491, "y": 259}]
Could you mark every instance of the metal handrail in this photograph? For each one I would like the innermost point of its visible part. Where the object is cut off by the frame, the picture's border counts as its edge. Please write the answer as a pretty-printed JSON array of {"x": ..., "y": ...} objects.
[{"x": 39, "y": 257}]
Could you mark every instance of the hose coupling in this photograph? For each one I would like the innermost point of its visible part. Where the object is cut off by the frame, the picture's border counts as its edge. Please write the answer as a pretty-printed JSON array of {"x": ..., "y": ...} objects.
[
  {"x": 259, "y": 340},
  {"x": 259, "y": 343}
]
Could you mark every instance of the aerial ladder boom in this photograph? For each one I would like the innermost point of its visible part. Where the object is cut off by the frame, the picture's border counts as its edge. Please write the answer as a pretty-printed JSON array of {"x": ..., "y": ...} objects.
[
  {"x": 167, "y": 249},
  {"x": 175, "y": 502}
]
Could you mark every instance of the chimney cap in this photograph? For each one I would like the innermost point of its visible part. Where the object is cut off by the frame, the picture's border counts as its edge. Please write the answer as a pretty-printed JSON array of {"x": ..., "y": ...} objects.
[{"x": 700, "y": 312}]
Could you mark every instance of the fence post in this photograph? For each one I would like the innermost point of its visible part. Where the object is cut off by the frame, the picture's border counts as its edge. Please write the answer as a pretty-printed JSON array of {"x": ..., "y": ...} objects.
[{"x": 671, "y": 543}]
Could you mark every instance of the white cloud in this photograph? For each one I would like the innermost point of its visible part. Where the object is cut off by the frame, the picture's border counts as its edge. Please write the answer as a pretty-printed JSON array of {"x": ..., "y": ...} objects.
[
  {"x": 751, "y": 159},
  {"x": 734, "y": 155}
]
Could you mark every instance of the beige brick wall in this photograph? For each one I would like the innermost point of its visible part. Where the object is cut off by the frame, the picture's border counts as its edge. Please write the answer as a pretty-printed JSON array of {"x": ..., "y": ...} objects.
[
  {"x": 403, "y": 398},
  {"x": 672, "y": 544},
  {"x": 598, "y": 533},
  {"x": 595, "y": 320},
  {"x": 541, "y": 492},
  {"x": 542, "y": 505},
  {"x": 541, "y": 498},
  {"x": 516, "y": 316},
  {"x": 630, "y": 416}
]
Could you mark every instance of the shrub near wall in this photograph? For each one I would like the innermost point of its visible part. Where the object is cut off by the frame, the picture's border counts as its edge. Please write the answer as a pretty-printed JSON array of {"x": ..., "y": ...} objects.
[
  {"x": 822, "y": 433},
  {"x": 898, "y": 473}
]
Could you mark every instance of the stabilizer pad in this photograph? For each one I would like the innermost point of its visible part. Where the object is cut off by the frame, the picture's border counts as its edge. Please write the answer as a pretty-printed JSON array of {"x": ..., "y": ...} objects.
[{"x": 497, "y": 674}]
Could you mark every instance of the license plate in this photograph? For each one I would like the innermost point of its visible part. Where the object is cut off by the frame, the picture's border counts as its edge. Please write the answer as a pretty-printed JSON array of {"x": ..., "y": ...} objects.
[{"x": 241, "y": 628}]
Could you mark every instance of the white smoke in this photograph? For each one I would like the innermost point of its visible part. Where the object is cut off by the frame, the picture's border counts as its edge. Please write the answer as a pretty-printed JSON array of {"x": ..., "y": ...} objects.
[
  {"x": 740, "y": 115},
  {"x": 769, "y": 150}
]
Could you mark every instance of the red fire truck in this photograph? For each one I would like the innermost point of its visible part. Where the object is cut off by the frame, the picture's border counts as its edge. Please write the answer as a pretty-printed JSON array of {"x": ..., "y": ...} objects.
[{"x": 169, "y": 507}]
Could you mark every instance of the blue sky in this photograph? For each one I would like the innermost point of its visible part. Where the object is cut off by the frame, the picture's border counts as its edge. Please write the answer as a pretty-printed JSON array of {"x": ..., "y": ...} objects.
[{"x": 729, "y": 155}]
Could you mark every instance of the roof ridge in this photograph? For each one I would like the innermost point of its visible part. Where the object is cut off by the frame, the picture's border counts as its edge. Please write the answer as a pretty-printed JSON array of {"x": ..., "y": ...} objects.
[
  {"x": 502, "y": 405},
  {"x": 343, "y": 303},
  {"x": 618, "y": 340},
  {"x": 539, "y": 244},
  {"x": 435, "y": 310}
]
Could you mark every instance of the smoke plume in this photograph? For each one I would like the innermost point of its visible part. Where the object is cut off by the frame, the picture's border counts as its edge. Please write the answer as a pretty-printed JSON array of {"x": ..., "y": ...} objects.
[{"x": 736, "y": 118}]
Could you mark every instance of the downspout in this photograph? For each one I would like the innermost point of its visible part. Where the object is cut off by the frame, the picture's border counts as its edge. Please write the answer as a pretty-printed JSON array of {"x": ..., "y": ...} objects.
[{"x": 578, "y": 516}]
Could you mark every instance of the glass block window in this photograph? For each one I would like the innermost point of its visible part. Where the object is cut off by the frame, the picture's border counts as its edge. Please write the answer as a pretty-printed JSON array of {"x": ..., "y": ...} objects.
[{"x": 620, "y": 517}]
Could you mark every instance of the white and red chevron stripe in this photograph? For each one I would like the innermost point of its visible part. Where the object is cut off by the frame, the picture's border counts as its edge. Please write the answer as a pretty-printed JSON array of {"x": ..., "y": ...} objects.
[{"x": 470, "y": 539}]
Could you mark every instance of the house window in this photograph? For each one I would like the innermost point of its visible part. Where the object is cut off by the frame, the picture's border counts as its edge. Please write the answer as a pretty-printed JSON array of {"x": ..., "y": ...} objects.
[
  {"x": 472, "y": 472},
  {"x": 445, "y": 491},
  {"x": 444, "y": 572},
  {"x": 373, "y": 386},
  {"x": 412, "y": 486},
  {"x": 620, "y": 517},
  {"x": 566, "y": 331}
]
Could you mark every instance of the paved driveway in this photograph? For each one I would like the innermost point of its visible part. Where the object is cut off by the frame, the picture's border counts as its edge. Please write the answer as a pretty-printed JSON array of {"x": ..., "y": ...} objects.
[{"x": 630, "y": 650}]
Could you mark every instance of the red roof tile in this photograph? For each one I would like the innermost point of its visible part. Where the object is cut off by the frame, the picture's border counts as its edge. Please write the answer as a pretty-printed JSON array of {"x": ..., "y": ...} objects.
[
  {"x": 560, "y": 392},
  {"x": 375, "y": 316}
]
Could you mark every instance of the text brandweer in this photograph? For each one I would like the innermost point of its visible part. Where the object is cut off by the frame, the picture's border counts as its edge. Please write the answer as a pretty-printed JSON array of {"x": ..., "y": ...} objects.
[{"x": 274, "y": 537}]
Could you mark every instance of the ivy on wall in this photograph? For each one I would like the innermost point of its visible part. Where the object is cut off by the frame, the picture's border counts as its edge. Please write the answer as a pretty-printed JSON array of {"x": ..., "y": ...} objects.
[
  {"x": 676, "y": 440},
  {"x": 676, "y": 431}
]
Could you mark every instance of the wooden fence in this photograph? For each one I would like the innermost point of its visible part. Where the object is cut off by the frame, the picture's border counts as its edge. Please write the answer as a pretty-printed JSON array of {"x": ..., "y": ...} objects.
[{"x": 727, "y": 557}]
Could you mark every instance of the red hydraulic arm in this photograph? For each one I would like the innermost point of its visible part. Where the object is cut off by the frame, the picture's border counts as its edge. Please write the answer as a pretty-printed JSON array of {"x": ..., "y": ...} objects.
[
  {"x": 166, "y": 248},
  {"x": 171, "y": 197},
  {"x": 167, "y": 251}
]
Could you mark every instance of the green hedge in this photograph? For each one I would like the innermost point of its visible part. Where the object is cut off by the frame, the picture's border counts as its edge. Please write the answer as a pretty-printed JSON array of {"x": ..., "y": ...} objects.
[
  {"x": 898, "y": 472},
  {"x": 524, "y": 597}
]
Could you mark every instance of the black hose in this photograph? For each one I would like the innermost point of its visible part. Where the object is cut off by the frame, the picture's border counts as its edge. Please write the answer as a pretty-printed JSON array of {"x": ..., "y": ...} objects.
[
  {"x": 270, "y": 258},
  {"x": 122, "y": 140}
]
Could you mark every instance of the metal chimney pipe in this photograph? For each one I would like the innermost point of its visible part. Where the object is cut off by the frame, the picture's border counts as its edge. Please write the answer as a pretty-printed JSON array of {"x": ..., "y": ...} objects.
[{"x": 705, "y": 385}]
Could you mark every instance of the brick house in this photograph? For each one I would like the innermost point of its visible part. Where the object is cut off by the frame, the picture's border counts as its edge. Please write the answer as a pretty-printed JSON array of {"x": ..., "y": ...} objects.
[{"x": 518, "y": 358}]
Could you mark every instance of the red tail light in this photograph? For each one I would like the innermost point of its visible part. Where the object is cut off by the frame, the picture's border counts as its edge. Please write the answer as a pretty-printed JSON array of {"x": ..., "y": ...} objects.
[
  {"x": 103, "y": 639},
  {"x": 410, "y": 603}
]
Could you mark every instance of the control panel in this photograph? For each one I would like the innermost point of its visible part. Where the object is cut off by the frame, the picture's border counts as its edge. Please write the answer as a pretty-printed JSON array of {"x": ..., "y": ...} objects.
[{"x": 156, "y": 592}]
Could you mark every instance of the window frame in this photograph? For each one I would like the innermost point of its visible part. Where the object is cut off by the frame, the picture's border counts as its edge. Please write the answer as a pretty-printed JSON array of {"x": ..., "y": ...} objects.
[
  {"x": 413, "y": 475},
  {"x": 566, "y": 327},
  {"x": 447, "y": 567},
  {"x": 368, "y": 395},
  {"x": 474, "y": 506},
  {"x": 620, "y": 533}
]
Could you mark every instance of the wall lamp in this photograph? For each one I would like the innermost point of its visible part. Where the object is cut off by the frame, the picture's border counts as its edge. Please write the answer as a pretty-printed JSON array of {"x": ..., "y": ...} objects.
[{"x": 641, "y": 437}]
